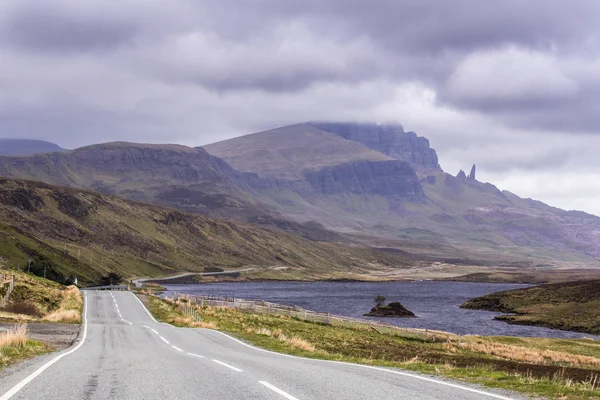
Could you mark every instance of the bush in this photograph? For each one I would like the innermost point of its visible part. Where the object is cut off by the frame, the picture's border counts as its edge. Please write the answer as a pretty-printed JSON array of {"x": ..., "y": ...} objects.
[
  {"x": 379, "y": 300},
  {"x": 22, "y": 307}
]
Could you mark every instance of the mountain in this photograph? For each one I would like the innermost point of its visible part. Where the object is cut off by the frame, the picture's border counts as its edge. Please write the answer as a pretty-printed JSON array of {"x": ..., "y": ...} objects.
[
  {"x": 414, "y": 205},
  {"x": 87, "y": 234},
  {"x": 391, "y": 140},
  {"x": 291, "y": 151},
  {"x": 367, "y": 184},
  {"x": 22, "y": 147},
  {"x": 172, "y": 175}
]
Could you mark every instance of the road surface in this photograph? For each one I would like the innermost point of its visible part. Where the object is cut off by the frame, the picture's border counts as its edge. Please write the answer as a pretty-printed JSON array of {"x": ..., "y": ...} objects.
[
  {"x": 139, "y": 282},
  {"x": 124, "y": 354}
]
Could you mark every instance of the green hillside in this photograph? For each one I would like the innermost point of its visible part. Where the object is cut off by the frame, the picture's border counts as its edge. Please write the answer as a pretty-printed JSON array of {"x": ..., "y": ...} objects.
[
  {"x": 70, "y": 232},
  {"x": 569, "y": 306}
]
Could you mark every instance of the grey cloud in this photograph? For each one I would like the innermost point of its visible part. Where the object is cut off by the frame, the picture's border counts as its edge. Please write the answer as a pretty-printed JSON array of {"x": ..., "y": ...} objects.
[
  {"x": 53, "y": 27},
  {"x": 196, "y": 71}
]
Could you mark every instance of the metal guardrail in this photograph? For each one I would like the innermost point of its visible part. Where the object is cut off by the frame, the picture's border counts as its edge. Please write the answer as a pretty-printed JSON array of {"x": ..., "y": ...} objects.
[
  {"x": 109, "y": 287},
  {"x": 263, "y": 307}
]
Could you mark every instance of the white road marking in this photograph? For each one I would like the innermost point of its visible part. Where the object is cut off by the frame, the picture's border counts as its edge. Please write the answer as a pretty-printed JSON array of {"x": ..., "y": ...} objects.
[
  {"x": 153, "y": 331},
  {"x": 195, "y": 355},
  {"x": 177, "y": 348},
  {"x": 277, "y": 390},
  {"x": 164, "y": 340},
  {"x": 228, "y": 366},
  {"x": 44, "y": 367},
  {"x": 406, "y": 374}
]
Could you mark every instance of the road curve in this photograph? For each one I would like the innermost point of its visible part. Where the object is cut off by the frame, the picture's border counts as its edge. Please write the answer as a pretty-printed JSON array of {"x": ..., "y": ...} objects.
[{"x": 124, "y": 353}]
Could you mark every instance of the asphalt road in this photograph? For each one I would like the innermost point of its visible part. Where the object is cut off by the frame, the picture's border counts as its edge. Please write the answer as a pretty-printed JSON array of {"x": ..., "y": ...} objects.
[{"x": 124, "y": 354}]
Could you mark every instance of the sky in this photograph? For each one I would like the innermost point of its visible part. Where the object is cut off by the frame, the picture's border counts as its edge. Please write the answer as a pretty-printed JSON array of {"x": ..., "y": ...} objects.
[{"x": 512, "y": 86}]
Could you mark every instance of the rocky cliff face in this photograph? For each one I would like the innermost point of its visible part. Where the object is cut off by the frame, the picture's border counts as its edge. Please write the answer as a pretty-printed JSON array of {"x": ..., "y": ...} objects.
[
  {"x": 391, "y": 140},
  {"x": 385, "y": 178}
]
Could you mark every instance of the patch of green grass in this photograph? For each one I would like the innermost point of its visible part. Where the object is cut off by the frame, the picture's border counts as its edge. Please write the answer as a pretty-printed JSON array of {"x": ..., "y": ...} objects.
[
  {"x": 569, "y": 306},
  {"x": 13, "y": 354},
  {"x": 365, "y": 346}
]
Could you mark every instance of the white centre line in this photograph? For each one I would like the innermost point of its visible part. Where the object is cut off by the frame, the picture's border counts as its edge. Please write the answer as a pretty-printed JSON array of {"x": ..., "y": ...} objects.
[
  {"x": 228, "y": 366},
  {"x": 164, "y": 340},
  {"x": 195, "y": 355},
  {"x": 277, "y": 390},
  {"x": 177, "y": 348},
  {"x": 153, "y": 331}
]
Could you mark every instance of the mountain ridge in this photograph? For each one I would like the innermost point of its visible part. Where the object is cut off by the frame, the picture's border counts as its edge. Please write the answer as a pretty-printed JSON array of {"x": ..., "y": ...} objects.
[
  {"x": 22, "y": 147},
  {"x": 354, "y": 197}
]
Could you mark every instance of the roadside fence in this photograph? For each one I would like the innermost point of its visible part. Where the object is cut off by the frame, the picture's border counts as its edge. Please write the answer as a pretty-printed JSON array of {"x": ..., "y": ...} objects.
[
  {"x": 188, "y": 303},
  {"x": 6, "y": 279}
]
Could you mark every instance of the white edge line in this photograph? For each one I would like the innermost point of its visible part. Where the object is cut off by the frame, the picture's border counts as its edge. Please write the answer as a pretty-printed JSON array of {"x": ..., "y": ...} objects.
[
  {"x": 44, "y": 367},
  {"x": 161, "y": 338},
  {"x": 406, "y": 374},
  {"x": 423, "y": 378},
  {"x": 228, "y": 366},
  {"x": 195, "y": 355},
  {"x": 147, "y": 312},
  {"x": 277, "y": 390},
  {"x": 177, "y": 348}
]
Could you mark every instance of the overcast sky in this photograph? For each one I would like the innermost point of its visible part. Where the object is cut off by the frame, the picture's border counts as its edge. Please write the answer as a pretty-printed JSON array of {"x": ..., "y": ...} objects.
[{"x": 513, "y": 86}]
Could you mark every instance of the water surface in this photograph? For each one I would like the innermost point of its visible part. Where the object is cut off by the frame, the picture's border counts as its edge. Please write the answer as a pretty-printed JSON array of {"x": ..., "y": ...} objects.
[{"x": 436, "y": 303}]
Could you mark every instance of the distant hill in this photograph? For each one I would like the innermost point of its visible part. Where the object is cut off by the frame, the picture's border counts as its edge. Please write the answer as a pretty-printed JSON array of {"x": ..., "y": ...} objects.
[
  {"x": 353, "y": 183},
  {"x": 291, "y": 151},
  {"x": 415, "y": 206},
  {"x": 23, "y": 147},
  {"x": 87, "y": 234}
]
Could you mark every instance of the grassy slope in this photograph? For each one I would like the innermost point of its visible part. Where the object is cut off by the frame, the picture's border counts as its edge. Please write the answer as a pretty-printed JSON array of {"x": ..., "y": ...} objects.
[
  {"x": 561, "y": 369},
  {"x": 51, "y": 301},
  {"x": 88, "y": 234},
  {"x": 569, "y": 306},
  {"x": 290, "y": 151}
]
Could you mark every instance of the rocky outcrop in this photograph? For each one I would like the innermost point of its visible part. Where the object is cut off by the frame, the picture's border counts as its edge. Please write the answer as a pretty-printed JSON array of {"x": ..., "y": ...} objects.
[
  {"x": 461, "y": 175},
  {"x": 392, "y": 310},
  {"x": 472, "y": 173},
  {"x": 388, "y": 139},
  {"x": 385, "y": 178}
]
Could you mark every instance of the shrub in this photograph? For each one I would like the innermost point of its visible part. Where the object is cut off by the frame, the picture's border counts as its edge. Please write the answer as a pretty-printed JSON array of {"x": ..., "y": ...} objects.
[
  {"x": 22, "y": 307},
  {"x": 379, "y": 300}
]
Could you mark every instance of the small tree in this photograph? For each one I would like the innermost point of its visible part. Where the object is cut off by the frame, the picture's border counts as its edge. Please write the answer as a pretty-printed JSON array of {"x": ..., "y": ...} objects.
[{"x": 379, "y": 300}]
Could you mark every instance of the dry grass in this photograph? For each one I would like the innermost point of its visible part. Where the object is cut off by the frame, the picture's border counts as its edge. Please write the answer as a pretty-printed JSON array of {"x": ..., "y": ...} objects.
[
  {"x": 15, "y": 337},
  {"x": 69, "y": 316},
  {"x": 69, "y": 310},
  {"x": 518, "y": 353},
  {"x": 293, "y": 341}
]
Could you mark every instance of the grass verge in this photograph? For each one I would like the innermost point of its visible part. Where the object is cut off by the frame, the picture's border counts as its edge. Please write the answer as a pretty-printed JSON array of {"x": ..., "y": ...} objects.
[
  {"x": 36, "y": 299},
  {"x": 16, "y": 346},
  {"x": 566, "y": 369}
]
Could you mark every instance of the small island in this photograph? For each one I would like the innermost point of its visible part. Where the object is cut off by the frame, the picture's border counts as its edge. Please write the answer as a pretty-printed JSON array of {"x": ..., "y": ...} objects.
[{"x": 392, "y": 310}]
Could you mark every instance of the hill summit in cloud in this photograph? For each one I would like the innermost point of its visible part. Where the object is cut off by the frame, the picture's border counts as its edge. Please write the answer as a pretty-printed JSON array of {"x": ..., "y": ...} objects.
[
  {"x": 24, "y": 147},
  {"x": 350, "y": 182}
]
